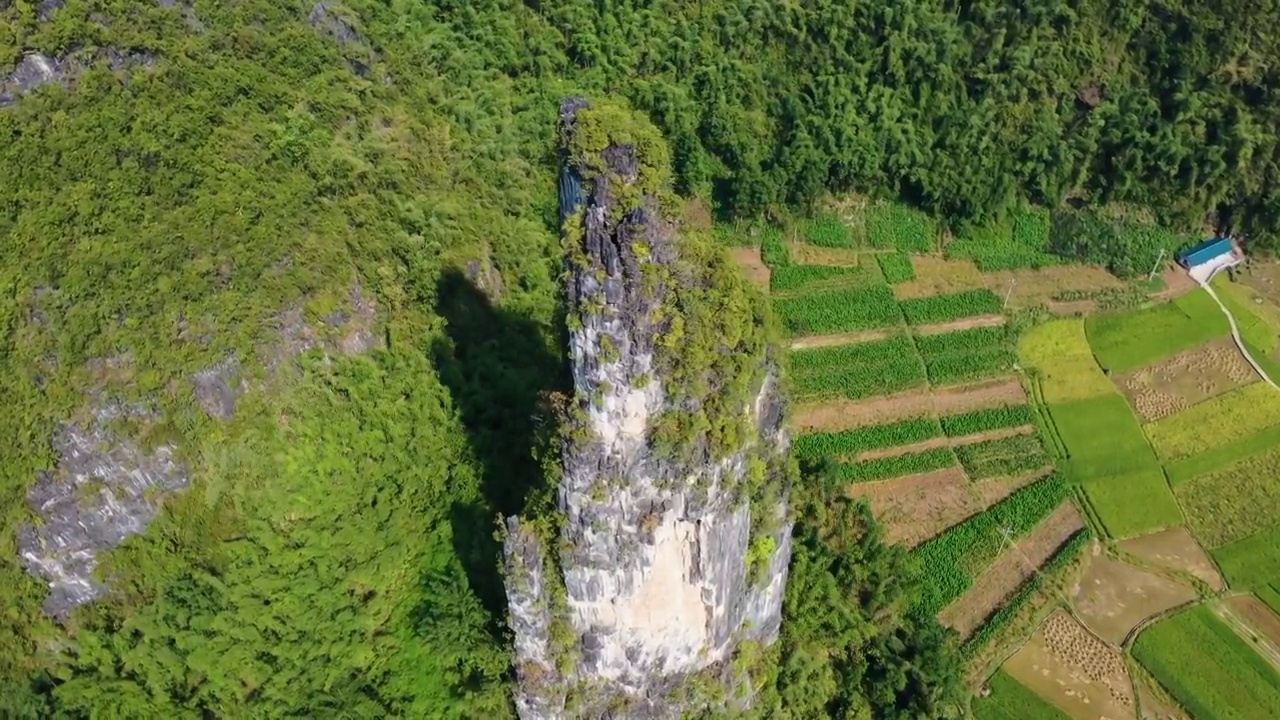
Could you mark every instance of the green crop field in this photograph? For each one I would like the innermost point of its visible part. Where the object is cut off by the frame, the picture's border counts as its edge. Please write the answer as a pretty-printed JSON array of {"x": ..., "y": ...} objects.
[
  {"x": 828, "y": 231},
  {"x": 1213, "y": 459},
  {"x": 1253, "y": 561},
  {"x": 1011, "y": 700},
  {"x": 966, "y": 355},
  {"x": 953, "y": 306},
  {"x": 1103, "y": 438},
  {"x": 1006, "y": 456},
  {"x": 837, "y": 311},
  {"x": 851, "y": 442},
  {"x": 897, "y": 267},
  {"x": 1133, "y": 504},
  {"x": 1130, "y": 340},
  {"x": 1060, "y": 354},
  {"x": 897, "y": 466},
  {"x": 1209, "y": 669},
  {"x": 1019, "y": 241},
  {"x": 796, "y": 277},
  {"x": 966, "y": 367},
  {"x": 997, "y": 418},
  {"x": 1234, "y": 503},
  {"x": 773, "y": 249},
  {"x": 856, "y": 371},
  {"x": 895, "y": 226},
  {"x": 953, "y": 559},
  {"x": 1219, "y": 421}
]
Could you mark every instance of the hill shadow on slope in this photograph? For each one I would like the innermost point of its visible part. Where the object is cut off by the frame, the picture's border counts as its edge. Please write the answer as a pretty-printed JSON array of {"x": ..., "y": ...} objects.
[{"x": 498, "y": 369}]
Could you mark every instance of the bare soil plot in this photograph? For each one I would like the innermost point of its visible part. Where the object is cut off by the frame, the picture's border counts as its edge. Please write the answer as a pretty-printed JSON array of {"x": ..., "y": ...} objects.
[
  {"x": 1077, "y": 672},
  {"x": 1175, "y": 549},
  {"x": 1254, "y": 622},
  {"x": 1171, "y": 386},
  {"x": 752, "y": 265},
  {"x": 1113, "y": 597},
  {"x": 1176, "y": 282},
  {"x": 837, "y": 415},
  {"x": 940, "y": 442},
  {"x": 1014, "y": 566},
  {"x": 935, "y": 275},
  {"x": 806, "y": 254},
  {"x": 970, "y": 323},
  {"x": 817, "y": 341},
  {"x": 1038, "y": 287},
  {"x": 917, "y": 507}
]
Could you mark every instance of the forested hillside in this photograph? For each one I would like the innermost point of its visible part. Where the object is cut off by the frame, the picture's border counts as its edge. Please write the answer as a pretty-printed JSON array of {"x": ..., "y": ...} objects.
[{"x": 305, "y": 257}]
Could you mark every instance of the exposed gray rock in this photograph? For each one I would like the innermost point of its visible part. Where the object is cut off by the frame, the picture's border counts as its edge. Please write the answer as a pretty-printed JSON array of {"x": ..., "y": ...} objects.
[
  {"x": 653, "y": 552},
  {"x": 104, "y": 489},
  {"x": 36, "y": 69},
  {"x": 349, "y": 331},
  {"x": 45, "y": 9},
  {"x": 218, "y": 388},
  {"x": 33, "y": 70},
  {"x": 188, "y": 13},
  {"x": 360, "y": 57}
]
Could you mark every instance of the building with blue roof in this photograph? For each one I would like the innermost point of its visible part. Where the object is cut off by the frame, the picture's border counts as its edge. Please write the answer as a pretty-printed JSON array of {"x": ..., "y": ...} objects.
[{"x": 1205, "y": 253}]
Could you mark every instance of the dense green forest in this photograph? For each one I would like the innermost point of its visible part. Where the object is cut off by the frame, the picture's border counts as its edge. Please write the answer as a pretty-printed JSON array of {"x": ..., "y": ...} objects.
[{"x": 335, "y": 553}]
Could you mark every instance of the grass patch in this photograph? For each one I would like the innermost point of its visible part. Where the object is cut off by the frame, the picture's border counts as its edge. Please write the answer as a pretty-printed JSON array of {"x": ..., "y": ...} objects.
[
  {"x": 1130, "y": 340},
  {"x": 1258, "y": 320},
  {"x": 1234, "y": 503},
  {"x": 836, "y": 311},
  {"x": 1133, "y": 504},
  {"x": 955, "y": 306},
  {"x": 898, "y": 466},
  {"x": 1006, "y": 456},
  {"x": 953, "y": 559},
  {"x": 897, "y": 267},
  {"x": 858, "y": 440},
  {"x": 1103, "y": 439},
  {"x": 1060, "y": 354},
  {"x": 895, "y": 226},
  {"x": 1216, "y": 422},
  {"x": 1209, "y": 669},
  {"x": 1011, "y": 700}
]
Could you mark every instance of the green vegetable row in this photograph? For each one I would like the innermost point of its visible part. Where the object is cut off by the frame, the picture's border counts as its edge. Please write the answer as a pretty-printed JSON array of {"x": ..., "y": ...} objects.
[
  {"x": 893, "y": 467},
  {"x": 944, "y": 308},
  {"x": 952, "y": 559}
]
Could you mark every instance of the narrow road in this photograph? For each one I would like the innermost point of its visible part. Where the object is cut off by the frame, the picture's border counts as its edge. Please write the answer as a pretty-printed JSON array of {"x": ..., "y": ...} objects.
[{"x": 1235, "y": 331}]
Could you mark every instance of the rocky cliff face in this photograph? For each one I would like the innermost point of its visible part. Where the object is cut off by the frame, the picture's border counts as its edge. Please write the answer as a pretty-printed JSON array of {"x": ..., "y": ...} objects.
[{"x": 672, "y": 541}]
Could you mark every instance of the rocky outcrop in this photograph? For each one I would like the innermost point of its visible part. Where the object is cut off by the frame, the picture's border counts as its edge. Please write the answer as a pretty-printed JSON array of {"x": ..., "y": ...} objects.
[
  {"x": 104, "y": 489},
  {"x": 36, "y": 69},
  {"x": 328, "y": 19},
  {"x": 671, "y": 548}
]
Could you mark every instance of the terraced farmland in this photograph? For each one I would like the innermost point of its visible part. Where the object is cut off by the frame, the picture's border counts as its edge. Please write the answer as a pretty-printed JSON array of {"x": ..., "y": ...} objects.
[{"x": 1120, "y": 465}]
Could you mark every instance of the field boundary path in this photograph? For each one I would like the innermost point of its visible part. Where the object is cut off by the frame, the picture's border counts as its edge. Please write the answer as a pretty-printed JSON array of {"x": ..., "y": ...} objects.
[{"x": 1235, "y": 332}]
